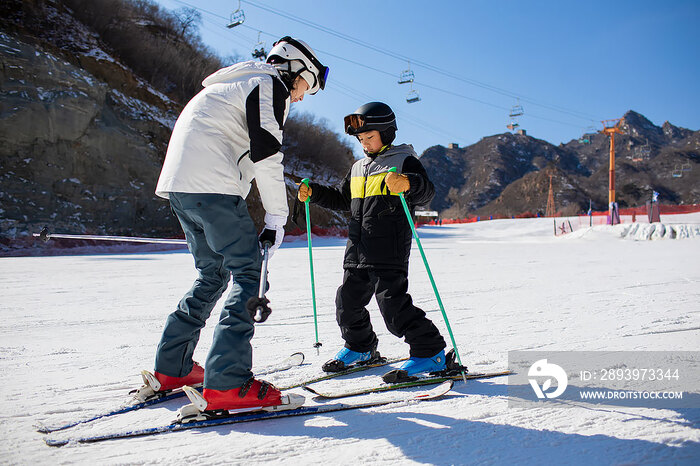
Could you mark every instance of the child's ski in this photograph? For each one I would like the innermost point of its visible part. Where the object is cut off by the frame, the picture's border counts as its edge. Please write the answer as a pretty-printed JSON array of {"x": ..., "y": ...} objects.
[{"x": 396, "y": 386}]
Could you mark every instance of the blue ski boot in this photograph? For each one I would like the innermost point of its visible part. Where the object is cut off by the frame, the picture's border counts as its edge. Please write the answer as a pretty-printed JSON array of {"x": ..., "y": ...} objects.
[
  {"x": 416, "y": 366},
  {"x": 347, "y": 357}
]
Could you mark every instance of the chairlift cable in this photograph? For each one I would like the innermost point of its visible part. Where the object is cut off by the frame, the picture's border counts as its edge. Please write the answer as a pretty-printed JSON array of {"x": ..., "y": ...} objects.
[{"x": 403, "y": 58}]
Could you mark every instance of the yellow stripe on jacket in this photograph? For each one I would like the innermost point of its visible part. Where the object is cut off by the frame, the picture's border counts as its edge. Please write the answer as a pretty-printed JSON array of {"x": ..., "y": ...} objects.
[{"x": 373, "y": 185}]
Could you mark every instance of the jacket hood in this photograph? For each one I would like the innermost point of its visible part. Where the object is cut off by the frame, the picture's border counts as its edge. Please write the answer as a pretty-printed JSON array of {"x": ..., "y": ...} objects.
[{"x": 234, "y": 72}]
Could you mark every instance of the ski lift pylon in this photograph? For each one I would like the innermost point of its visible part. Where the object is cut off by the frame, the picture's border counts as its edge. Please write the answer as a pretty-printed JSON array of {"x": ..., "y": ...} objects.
[{"x": 237, "y": 17}]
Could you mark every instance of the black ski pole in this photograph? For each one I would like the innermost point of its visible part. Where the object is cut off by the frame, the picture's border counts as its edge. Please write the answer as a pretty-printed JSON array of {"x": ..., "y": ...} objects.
[{"x": 258, "y": 306}]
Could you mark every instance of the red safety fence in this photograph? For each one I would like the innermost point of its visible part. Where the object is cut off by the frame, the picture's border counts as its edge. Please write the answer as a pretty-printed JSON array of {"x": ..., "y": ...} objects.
[{"x": 599, "y": 218}]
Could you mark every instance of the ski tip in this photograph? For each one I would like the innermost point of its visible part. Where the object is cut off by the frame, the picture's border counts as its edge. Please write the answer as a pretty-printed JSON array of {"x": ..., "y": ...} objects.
[
  {"x": 438, "y": 391},
  {"x": 42, "y": 429},
  {"x": 309, "y": 389},
  {"x": 55, "y": 443},
  {"x": 298, "y": 356}
]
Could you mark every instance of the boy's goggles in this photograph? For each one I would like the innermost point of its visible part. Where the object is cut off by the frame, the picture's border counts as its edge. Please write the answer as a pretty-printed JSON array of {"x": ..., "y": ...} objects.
[{"x": 354, "y": 122}]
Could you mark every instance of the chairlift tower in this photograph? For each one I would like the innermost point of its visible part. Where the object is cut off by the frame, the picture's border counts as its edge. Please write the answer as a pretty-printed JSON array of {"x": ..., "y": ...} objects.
[
  {"x": 551, "y": 210},
  {"x": 611, "y": 128}
]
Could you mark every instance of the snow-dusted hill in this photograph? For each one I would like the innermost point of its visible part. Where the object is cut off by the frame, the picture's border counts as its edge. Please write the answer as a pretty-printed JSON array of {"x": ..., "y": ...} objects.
[{"x": 76, "y": 331}]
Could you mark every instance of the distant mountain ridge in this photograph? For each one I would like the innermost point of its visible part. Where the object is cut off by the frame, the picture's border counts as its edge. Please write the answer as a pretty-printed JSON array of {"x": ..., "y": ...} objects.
[{"x": 508, "y": 174}]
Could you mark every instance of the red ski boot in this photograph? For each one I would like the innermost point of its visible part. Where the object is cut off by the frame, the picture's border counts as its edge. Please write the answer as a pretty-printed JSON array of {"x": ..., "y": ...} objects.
[
  {"x": 157, "y": 383},
  {"x": 253, "y": 394}
]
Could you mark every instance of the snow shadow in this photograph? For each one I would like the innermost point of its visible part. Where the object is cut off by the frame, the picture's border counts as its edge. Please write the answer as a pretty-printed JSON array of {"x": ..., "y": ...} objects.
[
  {"x": 569, "y": 399},
  {"x": 440, "y": 439}
]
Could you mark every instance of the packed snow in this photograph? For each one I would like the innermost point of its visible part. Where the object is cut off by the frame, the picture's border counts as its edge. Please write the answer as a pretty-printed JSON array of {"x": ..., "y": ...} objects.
[{"x": 77, "y": 330}]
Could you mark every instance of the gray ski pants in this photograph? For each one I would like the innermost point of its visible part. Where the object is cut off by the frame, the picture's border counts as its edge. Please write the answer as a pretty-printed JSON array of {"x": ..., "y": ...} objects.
[{"x": 223, "y": 241}]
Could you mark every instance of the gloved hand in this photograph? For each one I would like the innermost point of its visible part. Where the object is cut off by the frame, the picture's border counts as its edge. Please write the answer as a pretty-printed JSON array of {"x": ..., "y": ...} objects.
[
  {"x": 304, "y": 192},
  {"x": 397, "y": 183},
  {"x": 273, "y": 232}
]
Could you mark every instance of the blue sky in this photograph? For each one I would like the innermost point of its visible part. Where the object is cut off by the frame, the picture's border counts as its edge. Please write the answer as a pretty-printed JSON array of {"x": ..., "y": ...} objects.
[{"x": 570, "y": 63}]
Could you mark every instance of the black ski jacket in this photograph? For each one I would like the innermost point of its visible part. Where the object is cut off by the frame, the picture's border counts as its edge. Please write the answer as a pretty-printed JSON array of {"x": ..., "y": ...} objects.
[{"x": 379, "y": 235}]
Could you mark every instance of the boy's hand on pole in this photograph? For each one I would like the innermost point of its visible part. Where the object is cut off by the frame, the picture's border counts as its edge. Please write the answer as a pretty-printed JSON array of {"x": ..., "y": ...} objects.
[
  {"x": 304, "y": 192},
  {"x": 396, "y": 182}
]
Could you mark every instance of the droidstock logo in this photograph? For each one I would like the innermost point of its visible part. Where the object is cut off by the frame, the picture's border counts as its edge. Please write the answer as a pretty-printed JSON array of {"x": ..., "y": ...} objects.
[{"x": 542, "y": 369}]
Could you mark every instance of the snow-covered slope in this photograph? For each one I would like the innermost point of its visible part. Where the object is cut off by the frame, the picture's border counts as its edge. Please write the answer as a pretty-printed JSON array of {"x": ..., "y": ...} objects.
[{"x": 77, "y": 330}]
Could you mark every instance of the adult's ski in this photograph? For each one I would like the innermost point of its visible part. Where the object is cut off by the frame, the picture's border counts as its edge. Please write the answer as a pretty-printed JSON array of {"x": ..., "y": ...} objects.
[
  {"x": 234, "y": 418},
  {"x": 396, "y": 386},
  {"x": 294, "y": 360}
]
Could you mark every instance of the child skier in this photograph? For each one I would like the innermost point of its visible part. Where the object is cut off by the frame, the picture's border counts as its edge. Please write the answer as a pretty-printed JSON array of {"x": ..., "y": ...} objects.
[{"x": 379, "y": 244}]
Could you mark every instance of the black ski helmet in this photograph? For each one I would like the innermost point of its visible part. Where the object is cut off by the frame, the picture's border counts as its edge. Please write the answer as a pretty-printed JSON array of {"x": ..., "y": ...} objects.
[{"x": 372, "y": 116}]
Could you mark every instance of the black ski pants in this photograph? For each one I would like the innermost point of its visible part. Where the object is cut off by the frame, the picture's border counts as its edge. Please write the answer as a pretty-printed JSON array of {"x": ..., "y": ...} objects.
[{"x": 402, "y": 318}]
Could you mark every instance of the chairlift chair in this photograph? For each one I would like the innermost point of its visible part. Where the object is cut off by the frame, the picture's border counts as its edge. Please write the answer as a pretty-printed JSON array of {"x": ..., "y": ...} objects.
[
  {"x": 237, "y": 17},
  {"x": 677, "y": 172},
  {"x": 516, "y": 110},
  {"x": 685, "y": 167},
  {"x": 259, "y": 50},
  {"x": 412, "y": 96},
  {"x": 513, "y": 126},
  {"x": 407, "y": 76}
]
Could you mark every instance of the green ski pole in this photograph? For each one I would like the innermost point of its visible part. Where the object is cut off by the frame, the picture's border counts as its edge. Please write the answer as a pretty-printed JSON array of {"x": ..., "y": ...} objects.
[
  {"x": 318, "y": 344},
  {"x": 430, "y": 275}
]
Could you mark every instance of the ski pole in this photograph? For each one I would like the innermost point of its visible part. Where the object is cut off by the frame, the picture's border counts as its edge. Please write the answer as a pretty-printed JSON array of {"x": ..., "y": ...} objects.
[
  {"x": 318, "y": 344},
  {"x": 46, "y": 236},
  {"x": 430, "y": 275},
  {"x": 258, "y": 306}
]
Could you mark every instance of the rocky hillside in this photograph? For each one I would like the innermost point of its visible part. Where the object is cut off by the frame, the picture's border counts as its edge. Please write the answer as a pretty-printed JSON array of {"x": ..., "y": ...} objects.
[
  {"x": 83, "y": 136},
  {"x": 508, "y": 174}
]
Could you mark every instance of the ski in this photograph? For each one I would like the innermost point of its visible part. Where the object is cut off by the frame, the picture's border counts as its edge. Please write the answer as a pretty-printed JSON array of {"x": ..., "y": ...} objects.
[
  {"x": 294, "y": 360},
  {"x": 235, "y": 418},
  {"x": 351, "y": 370},
  {"x": 396, "y": 386}
]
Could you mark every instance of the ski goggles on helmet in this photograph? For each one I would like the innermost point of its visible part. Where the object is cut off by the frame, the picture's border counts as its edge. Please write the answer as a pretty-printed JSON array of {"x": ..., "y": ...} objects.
[
  {"x": 354, "y": 123},
  {"x": 317, "y": 70}
]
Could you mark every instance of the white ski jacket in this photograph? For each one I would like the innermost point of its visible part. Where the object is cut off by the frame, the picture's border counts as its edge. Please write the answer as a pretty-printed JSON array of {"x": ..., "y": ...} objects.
[{"x": 230, "y": 133}]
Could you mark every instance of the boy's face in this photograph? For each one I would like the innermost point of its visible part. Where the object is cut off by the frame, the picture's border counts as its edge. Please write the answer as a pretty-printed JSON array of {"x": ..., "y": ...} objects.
[{"x": 371, "y": 141}]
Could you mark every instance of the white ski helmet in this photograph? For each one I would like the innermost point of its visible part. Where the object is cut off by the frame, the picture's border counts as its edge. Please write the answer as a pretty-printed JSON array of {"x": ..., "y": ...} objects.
[{"x": 293, "y": 57}]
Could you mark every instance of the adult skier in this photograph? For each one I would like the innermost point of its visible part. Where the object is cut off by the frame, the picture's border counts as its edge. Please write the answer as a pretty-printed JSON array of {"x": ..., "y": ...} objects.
[
  {"x": 228, "y": 134},
  {"x": 379, "y": 244}
]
